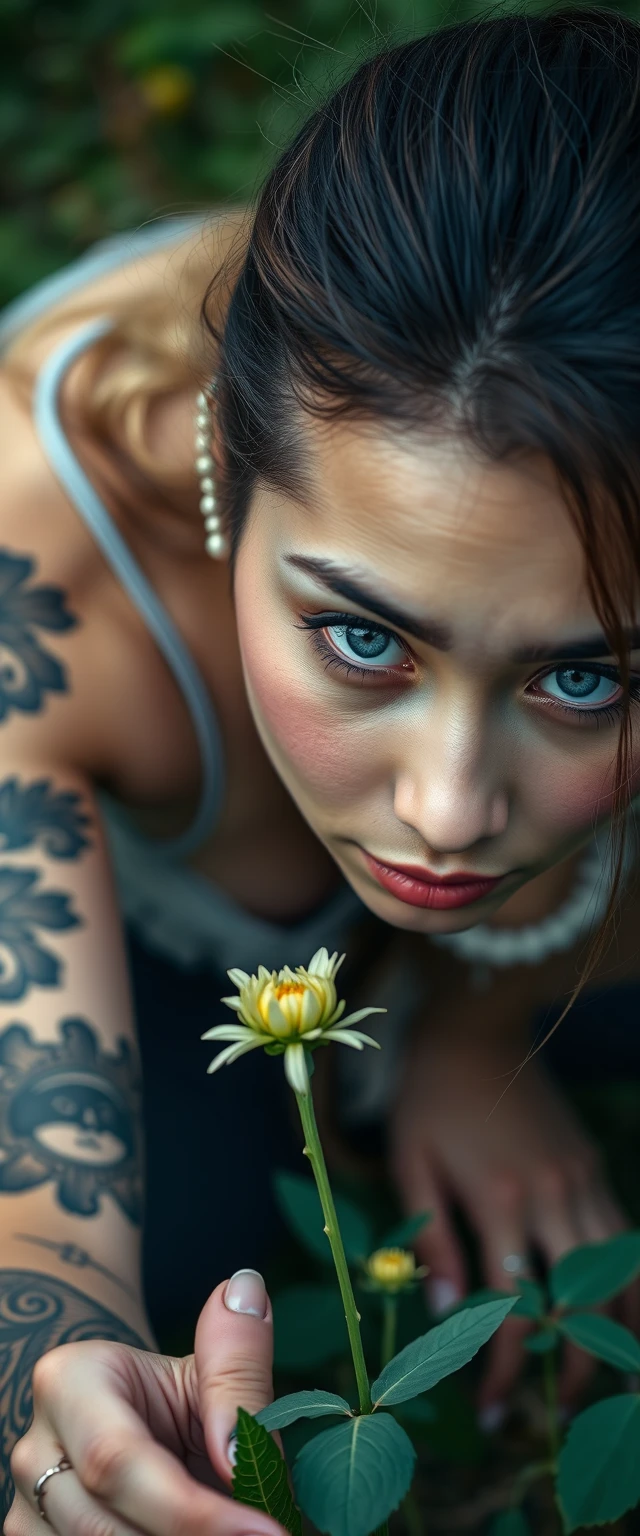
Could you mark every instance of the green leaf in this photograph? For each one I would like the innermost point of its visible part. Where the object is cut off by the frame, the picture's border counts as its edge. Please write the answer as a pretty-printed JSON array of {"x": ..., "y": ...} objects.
[
  {"x": 511, "y": 1522},
  {"x": 531, "y": 1300},
  {"x": 301, "y": 1405},
  {"x": 440, "y": 1352},
  {"x": 403, "y": 1235},
  {"x": 601, "y": 1337},
  {"x": 299, "y": 1203},
  {"x": 260, "y": 1474},
  {"x": 349, "y": 1479},
  {"x": 599, "y": 1466},
  {"x": 542, "y": 1343},
  {"x": 309, "y": 1326},
  {"x": 478, "y": 1299},
  {"x": 596, "y": 1272}
]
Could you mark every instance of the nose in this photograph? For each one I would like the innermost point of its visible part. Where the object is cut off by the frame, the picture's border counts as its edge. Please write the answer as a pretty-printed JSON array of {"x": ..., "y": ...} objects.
[
  {"x": 89, "y": 1118},
  {"x": 453, "y": 792}
]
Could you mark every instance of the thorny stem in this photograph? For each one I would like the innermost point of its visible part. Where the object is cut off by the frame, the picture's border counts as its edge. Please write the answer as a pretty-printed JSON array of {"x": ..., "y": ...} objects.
[
  {"x": 551, "y": 1396},
  {"x": 313, "y": 1150},
  {"x": 389, "y": 1326}
]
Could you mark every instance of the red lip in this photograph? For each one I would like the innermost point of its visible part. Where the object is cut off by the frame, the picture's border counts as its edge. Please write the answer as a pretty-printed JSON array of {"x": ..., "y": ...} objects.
[{"x": 422, "y": 888}]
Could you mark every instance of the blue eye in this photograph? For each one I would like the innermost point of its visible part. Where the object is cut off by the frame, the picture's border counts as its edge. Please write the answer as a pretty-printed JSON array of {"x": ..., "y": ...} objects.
[
  {"x": 366, "y": 644},
  {"x": 574, "y": 685}
]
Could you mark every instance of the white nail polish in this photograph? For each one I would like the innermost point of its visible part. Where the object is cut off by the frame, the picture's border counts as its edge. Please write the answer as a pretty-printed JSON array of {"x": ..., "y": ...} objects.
[
  {"x": 246, "y": 1293},
  {"x": 492, "y": 1417},
  {"x": 442, "y": 1294},
  {"x": 232, "y": 1450}
]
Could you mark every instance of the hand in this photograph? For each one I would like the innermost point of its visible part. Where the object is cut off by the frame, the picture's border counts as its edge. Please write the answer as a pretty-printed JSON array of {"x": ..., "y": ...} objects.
[
  {"x": 144, "y": 1431},
  {"x": 512, "y": 1155}
]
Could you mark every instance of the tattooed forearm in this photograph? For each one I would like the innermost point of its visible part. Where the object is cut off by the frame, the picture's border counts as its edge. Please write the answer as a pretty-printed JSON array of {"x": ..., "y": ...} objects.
[
  {"x": 70, "y": 1117},
  {"x": 24, "y": 960},
  {"x": 28, "y": 671},
  {"x": 70, "y": 1253},
  {"x": 35, "y": 813},
  {"x": 38, "y": 1313}
]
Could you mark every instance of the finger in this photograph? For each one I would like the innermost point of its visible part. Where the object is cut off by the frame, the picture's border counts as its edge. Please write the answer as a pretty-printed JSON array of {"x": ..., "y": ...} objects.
[
  {"x": 68, "y": 1507},
  {"x": 437, "y": 1245},
  {"x": 234, "y": 1359},
  {"x": 121, "y": 1465},
  {"x": 503, "y": 1236}
]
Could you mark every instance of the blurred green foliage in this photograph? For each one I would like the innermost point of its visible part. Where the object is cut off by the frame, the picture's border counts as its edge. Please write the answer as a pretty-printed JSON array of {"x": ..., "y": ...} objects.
[{"x": 112, "y": 111}]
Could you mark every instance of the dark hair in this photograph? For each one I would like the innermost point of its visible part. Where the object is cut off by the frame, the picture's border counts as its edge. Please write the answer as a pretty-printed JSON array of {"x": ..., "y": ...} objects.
[{"x": 453, "y": 241}]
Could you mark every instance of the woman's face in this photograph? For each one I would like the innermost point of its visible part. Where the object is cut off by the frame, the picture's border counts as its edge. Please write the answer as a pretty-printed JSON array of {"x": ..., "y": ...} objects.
[{"x": 426, "y": 670}]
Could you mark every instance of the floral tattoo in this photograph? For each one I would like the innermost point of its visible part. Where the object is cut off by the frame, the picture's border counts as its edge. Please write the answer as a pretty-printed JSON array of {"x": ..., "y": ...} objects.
[
  {"x": 28, "y": 671},
  {"x": 24, "y": 910},
  {"x": 35, "y": 813}
]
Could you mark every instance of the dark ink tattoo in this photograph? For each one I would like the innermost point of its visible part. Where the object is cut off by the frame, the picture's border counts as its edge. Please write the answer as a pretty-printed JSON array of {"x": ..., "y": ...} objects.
[
  {"x": 27, "y": 670},
  {"x": 70, "y": 1253},
  {"x": 35, "y": 813},
  {"x": 70, "y": 1116},
  {"x": 37, "y": 1313},
  {"x": 24, "y": 960}
]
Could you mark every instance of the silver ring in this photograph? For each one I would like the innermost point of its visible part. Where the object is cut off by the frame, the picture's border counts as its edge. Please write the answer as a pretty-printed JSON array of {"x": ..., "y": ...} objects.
[
  {"x": 64, "y": 1465},
  {"x": 514, "y": 1264}
]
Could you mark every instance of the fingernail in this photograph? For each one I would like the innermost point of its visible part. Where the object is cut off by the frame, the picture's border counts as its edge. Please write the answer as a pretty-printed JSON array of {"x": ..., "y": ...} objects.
[
  {"x": 492, "y": 1417},
  {"x": 232, "y": 1449},
  {"x": 246, "y": 1293},
  {"x": 442, "y": 1294}
]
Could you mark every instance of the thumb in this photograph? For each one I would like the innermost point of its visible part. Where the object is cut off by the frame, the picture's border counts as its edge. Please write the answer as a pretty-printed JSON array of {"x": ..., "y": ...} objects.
[{"x": 234, "y": 1359}]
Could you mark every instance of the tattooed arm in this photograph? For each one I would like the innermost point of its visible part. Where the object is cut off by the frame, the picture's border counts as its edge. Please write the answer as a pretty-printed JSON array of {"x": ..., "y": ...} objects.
[{"x": 70, "y": 1103}]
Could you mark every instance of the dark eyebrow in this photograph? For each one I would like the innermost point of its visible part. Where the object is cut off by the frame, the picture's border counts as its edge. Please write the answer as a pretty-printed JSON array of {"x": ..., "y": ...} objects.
[
  {"x": 573, "y": 650},
  {"x": 346, "y": 585}
]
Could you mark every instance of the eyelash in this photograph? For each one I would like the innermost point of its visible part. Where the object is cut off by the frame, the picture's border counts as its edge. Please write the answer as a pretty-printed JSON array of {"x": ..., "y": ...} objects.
[{"x": 316, "y": 623}]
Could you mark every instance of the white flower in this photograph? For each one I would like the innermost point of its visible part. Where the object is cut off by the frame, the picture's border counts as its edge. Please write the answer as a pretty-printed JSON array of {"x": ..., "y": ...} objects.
[{"x": 289, "y": 1012}]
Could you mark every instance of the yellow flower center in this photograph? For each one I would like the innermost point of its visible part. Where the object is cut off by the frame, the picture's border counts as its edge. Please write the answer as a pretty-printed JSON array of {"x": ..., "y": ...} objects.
[
  {"x": 392, "y": 1267},
  {"x": 289, "y": 989}
]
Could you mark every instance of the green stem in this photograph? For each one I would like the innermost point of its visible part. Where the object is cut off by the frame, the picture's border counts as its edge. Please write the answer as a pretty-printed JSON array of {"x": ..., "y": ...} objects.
[
  {"x": 313, "y": 1150},
  {"x": 383, "y": 1530},
  {"x": 389, "y": 1326},
  {"x": 551, "y": 1396}
]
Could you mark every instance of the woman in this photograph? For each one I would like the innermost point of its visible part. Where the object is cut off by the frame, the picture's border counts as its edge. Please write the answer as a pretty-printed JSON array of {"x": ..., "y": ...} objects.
[{"x": 419, "y": 461}]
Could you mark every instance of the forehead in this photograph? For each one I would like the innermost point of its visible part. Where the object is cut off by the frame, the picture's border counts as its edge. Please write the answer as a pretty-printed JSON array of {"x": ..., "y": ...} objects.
[{"x": 450, "y": 532}]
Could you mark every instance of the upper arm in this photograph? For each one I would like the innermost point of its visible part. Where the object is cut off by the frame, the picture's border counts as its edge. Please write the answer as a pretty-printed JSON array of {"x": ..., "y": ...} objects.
[{"x": 70, "y": 1092}]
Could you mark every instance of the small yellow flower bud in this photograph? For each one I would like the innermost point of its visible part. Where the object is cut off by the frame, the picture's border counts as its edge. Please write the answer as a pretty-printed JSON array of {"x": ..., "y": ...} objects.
[
  {"x": 167, "y": 89},
  {"x": 392, "y": 1269}
]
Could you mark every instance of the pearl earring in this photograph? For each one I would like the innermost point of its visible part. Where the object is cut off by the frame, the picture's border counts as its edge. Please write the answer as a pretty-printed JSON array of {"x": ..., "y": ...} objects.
[{"x": 215, "y": 542}]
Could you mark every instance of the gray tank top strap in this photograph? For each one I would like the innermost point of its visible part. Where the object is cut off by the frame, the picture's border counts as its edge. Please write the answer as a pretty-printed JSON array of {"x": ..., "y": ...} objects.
[{"x": 118, "y": 555}]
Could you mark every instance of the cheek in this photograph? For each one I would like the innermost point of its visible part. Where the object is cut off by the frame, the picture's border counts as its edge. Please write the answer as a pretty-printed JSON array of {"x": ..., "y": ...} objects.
[
  {"x": 307, "y": 739},
  {"x": 568, "y": 800}
]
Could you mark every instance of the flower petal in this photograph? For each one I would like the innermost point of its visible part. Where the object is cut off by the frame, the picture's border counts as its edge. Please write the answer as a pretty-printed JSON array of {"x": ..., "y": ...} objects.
[
  {"x": 310, "y": 1010},
  {"x": 352, "y": 1038},
  {"x": 222, "y": 1058},
  {"x": 277, "y": 1020},
  {"x": 232, "y": 1002},
  {"x": 360, "y": 1013},
  {"x": 296, "y": 1071},
  {"x": 239, "y": 978},
  {"x": 319, "y": 963},
  {"x": 228, "y": 1032}
]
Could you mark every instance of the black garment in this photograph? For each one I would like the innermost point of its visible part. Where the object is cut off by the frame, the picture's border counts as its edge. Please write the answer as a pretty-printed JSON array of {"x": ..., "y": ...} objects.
[{"x": 212, "y": 1144}]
